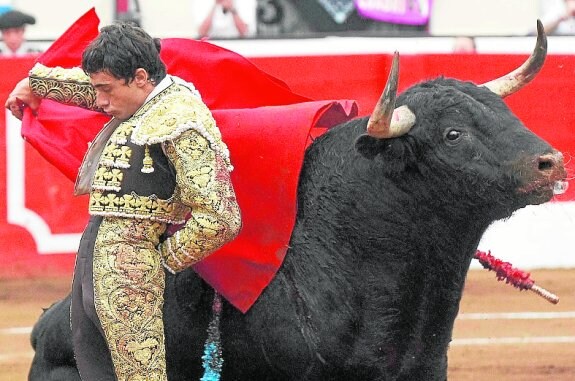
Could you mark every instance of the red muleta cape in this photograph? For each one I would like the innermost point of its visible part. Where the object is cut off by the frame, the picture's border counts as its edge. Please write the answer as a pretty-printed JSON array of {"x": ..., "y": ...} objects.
[{"x": 266, "y": 127}]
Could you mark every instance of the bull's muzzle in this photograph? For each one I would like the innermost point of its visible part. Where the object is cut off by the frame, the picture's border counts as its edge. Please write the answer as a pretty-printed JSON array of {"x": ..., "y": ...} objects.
[{"x": 549, "y": 174}]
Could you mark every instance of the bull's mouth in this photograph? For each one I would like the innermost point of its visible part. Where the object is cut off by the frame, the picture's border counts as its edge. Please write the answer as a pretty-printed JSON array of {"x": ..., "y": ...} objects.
[
  {"x": 560, "y": 187},
  {"x": 543, "y": 189}
]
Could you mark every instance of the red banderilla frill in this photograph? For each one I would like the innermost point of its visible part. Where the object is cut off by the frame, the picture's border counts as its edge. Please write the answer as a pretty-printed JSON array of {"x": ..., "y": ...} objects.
[{"x": 518, "y": 278}]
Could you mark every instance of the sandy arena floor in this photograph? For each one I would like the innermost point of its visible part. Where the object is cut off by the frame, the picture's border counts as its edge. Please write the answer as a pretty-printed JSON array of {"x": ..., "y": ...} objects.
[{"x": 535, "y": 343}]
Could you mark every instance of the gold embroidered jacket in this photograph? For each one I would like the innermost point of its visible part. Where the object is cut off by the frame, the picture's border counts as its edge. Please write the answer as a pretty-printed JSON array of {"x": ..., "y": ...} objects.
[{"x": 166, "y": 163}]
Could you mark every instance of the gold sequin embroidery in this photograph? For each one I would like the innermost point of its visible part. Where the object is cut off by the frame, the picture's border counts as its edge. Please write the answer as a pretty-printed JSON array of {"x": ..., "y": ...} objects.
[
  {"x": 128, "y": 295},
  {"x": 107, "y": 178},
  {"x": 117, "y": 156},
  {"x": 204, "y": 184},
  {"x": 68, "y": 86},
  {"x": 135, "y": 206}
]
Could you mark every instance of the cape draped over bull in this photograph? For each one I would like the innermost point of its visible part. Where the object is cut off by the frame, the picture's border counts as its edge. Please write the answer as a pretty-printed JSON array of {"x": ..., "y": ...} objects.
[
  {"x": 262, "y": 121},
  {"x": 390, "y": 210}
]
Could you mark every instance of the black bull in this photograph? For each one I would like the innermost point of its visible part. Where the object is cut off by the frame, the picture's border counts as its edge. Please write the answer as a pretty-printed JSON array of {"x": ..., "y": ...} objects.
[{"x": 387, "y": 225}]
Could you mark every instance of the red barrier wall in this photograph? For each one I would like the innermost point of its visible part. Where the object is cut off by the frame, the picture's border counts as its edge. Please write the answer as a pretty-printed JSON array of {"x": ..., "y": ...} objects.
[{"x": 40, "y": 220}]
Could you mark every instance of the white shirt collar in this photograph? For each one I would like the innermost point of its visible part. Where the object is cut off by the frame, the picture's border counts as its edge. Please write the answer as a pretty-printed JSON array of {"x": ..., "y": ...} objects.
[{"x": 163, "y": 85}]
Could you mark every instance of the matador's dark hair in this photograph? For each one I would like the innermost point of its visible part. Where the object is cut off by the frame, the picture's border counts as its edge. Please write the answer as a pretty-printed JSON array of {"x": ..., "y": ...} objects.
[{"x": 120, "y": 49}]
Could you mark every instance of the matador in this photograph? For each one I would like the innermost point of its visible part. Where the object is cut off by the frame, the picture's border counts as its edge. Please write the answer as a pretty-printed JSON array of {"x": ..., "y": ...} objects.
[{"x": 159, "y": 162}]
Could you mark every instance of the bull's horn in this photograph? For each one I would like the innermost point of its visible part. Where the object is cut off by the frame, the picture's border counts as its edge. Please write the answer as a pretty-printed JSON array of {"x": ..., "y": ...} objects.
[
  {"x": 386, "y": 121},
  {"x": 510, "y": 83}
]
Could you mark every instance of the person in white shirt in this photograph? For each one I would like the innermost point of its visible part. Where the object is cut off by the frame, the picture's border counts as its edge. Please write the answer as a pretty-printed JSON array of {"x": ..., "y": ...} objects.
[
  {"x": 224, "y": 21},
  {"x": 558, "y": 17}
]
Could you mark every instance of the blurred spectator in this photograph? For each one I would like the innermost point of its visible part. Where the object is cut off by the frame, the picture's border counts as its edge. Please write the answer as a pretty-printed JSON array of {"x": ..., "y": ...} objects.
[
  {"x": 464, "y": 44},
  {"x": 13, "y": 29},
  {"x": 225, "y": 20},
  {"x": 128, "y": 10},
  {"x": 558, "y": 17}
]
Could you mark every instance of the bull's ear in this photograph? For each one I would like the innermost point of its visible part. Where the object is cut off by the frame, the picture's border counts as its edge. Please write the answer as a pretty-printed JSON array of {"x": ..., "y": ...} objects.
[{"x": 368, "y": 146}]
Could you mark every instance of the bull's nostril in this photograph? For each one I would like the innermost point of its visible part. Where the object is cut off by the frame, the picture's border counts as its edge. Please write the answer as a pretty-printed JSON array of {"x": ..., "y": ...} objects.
[
  {"x": 549, "y": 161},
  {"x": 545, "y": 165}
]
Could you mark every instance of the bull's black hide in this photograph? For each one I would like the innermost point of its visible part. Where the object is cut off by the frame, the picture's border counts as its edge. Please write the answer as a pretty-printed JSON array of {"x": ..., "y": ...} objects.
[{"x": 384, "y": 236}]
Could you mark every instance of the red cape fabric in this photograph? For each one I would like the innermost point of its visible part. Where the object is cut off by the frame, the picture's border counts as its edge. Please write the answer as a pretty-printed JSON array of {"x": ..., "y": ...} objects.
[{"x": 266, "y": 127}]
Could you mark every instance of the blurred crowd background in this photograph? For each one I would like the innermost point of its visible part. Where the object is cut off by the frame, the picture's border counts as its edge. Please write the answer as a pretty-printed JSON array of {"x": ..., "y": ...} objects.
[{"x": 265, "y": 19}]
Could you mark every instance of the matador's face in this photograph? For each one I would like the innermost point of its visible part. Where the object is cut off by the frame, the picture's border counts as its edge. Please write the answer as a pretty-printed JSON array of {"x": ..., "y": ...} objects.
[{"x": 118, "y": 97}]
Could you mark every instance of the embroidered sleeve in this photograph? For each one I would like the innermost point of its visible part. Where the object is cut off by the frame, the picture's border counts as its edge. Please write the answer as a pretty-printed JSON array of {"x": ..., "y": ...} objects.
[
  {"x": 203, "y": 184},
  {"x": 68, "y": 86}
]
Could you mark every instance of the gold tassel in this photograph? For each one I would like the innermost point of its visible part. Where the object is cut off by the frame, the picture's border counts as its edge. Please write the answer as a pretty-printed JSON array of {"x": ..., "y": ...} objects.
[{"x": 147, "y": 162}]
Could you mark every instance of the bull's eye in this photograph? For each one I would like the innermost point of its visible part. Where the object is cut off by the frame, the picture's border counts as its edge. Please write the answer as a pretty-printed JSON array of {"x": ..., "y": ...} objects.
[{"x": 453, "y": 135}]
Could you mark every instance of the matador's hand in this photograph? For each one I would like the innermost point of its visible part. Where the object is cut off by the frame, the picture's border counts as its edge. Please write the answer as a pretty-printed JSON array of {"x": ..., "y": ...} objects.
[{"x": 21, "y": 97}]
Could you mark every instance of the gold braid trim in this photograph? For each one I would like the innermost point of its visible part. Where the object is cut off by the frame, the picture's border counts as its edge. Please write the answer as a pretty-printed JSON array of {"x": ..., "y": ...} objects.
[
  {"x": 67, "y": 86},
  {"x": 202, "y": 183},
  {"x": 133, "y": 205}
]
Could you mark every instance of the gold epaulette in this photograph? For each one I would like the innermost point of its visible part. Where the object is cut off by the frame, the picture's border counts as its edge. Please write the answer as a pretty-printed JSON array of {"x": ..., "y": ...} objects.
[{"x": 173, "y": 112}]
